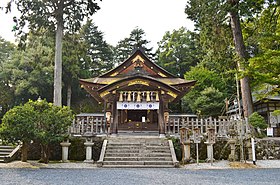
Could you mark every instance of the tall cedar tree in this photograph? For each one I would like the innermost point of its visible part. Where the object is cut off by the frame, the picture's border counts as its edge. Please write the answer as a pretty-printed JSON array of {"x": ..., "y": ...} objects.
[
  {"x": 135, "y": 40},
  {"x": 56, "y": 15},
  {"x": 209, "y": 15}
]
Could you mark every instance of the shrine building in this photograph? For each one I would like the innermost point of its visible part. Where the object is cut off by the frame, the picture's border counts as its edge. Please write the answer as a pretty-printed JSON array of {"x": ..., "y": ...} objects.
[{"x": 136, "y": 94}]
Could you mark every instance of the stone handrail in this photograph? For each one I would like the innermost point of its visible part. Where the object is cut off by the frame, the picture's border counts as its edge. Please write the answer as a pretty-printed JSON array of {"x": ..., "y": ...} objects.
[
  {"x": 173, "y": 154},
  {"x": 102, "y": 154},
  {"x": 10, "y": 157}
]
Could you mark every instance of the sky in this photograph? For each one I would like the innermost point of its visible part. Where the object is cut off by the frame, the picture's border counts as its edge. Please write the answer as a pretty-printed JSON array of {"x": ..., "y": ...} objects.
[{"x": 117, "y": 18}]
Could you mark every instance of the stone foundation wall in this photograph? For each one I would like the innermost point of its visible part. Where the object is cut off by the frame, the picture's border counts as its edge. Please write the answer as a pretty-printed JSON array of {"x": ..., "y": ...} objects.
[
  {"x": 268, "y": 148},
  {"x": 77, "y": 151}
]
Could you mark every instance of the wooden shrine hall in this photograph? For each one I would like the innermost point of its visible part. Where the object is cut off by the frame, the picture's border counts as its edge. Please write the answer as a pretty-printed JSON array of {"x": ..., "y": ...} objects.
[{"x": 136, "y": 94}]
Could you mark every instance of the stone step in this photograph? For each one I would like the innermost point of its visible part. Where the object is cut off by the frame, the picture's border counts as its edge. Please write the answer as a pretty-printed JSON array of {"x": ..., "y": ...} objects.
[
  {"x": 138, "y": 154},
  {"x": 122, "y": 150},
  {"x": 137, "y": 163},
  {"x": 136, "y": 141},
  {"x": 148, "y": 148},
  {"x": 128, "y": 141},
  {"x": 138, "y": 166},
  {"x": 1, "y": 160},
  {"x": 151, "y": 151},
  {"x": 124, "y": 144},
  {"x": 6, "y": 147},
  {"x": 4, "y": 153},
  {"x": 124, "y": 147},
  {"x": 117, "y": 158},
  {"x": 137, "y": 145}
]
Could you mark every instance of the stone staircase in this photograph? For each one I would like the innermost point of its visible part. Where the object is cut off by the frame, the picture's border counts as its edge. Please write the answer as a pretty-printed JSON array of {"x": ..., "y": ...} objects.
[
  {"x": 7, "y": 152},
  {"x": 137, "y": 152}
]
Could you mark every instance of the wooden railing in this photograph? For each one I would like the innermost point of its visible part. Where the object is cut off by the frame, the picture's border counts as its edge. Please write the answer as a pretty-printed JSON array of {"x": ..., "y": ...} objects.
[
  {"x": 221, "y": 125},
  {"x": 88, "y": 124}
]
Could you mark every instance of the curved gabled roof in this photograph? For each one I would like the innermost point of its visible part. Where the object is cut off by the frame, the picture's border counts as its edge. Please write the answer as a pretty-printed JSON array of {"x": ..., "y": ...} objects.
[
  {"x": 138, "y": 52},
  {"x": 127, "y": 80},
  {"x": 137, "y": 71}
]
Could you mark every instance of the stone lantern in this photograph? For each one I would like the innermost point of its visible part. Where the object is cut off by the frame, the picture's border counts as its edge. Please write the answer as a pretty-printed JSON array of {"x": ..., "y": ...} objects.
[
  {"x": 196, "y": 140},
  {"x": 186, "y": 143},
  {"x": 211, "y": 139},
  {"x": 88, "y": 144}
]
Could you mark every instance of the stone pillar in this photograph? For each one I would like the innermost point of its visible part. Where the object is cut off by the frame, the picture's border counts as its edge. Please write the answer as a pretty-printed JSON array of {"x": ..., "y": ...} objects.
[
  {"x": 88, "y": 145},
  {"x": 186, "y": 143},
  {"x": 211, "y": 139},
  {"x": 232, "y": 155},
  {"x": 249, "y": 149},
  {"x": 210, "y": 152},
  {"x": 187, "y": 151},
  {"x": 65, "y": 147}
]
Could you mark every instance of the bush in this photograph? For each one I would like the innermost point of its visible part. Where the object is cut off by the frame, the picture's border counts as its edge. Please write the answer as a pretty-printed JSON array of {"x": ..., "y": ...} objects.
[{"x": 257, "y": 121}]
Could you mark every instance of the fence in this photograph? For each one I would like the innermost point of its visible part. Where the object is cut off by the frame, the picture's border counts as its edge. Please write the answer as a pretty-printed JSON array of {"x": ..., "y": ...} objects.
[
  {"x": 221, "y": 125},
  {"x": 88, "y": 124}
]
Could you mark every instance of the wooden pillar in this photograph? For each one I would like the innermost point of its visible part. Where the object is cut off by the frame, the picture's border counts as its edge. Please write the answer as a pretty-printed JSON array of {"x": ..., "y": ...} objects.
[
  {"x": 114, "y": 127},
  {"x": 161, "y": 119}
]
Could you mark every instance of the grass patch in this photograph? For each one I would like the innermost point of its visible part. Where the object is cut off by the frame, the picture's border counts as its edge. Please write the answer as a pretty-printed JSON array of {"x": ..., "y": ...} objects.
[{"x": 241, "y": 165}]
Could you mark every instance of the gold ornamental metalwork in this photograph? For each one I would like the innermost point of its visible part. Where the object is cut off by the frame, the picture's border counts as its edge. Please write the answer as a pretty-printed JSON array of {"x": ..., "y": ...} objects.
[{"x": 138, "y": 82}]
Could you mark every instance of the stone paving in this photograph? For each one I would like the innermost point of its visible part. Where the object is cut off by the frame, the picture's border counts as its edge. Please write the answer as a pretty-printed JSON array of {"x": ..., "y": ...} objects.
[{"x": 80, "y": 165}]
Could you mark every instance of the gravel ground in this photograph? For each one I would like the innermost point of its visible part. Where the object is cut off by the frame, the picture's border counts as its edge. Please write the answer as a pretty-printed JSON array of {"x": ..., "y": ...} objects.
[
  {"x": 80, "y": 165},
  {"x": 266, "y": 172},
  {"x": 139, "y": 176}
]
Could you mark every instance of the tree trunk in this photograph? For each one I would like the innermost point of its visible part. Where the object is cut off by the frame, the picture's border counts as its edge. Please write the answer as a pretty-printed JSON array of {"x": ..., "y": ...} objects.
[
  {"x": 57, "y": 100},
  {"x": 24, "y": 151},
  {"x": 45, "y": 153},
  {"x": 69, "y": 95},
  {"x": 241, "y": 52}
]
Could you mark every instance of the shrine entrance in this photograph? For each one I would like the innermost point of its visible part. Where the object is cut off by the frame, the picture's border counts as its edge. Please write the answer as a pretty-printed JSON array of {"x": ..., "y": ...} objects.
[
  {"x": 138, "y": 120},
  {"x": 136, "y": 94}
]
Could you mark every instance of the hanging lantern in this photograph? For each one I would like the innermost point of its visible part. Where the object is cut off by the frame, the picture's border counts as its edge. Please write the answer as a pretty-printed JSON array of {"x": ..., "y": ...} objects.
[
  {"x": 121, "y": 96},
  {"x": 157, "y": 97},
  {"x": 148, "y": 96},
  {"x": 138, "y": 99},
  {"x": 129, "y": 96}
]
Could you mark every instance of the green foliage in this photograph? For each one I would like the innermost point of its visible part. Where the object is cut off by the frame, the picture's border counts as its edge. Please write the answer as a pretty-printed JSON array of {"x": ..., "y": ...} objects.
[
  {"x": 37, "y": 120},
  {"x": 215, "y": 40},
  {"x": 127, "y": 45},
  {"x": 6, "y": 93},
  {"x": 205, "y": 78},
  {"x": 214, "y": 33},
  {"x": 257, "y": 121},
  {"x": 209, "y": 103},
  {"x": 98, "y": 56},
  {"x": 56, "y": 16},
  {"x": 52, "y": 121},
  {"x": 262, "y": 37},
  {"x": 178, "y": 51},
  {"x": 19, "y": 124},
  {"x": 44, "y": 14},
  {"x": 29, "y": 73},
  {"x": 276, "y": 113},
  {"x": 206, "y": 98}
]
